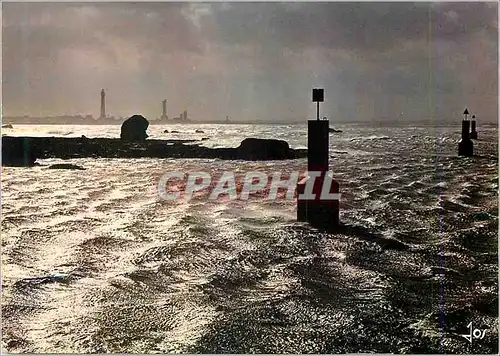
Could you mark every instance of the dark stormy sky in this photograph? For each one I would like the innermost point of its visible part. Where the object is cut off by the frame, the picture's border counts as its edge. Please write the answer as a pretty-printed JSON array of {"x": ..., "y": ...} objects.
[{"x": 376, "y": 61}]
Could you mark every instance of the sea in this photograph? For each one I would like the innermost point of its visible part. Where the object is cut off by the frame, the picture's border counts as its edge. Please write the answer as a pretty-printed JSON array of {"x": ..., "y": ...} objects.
[{"x": 93, "y": 261}]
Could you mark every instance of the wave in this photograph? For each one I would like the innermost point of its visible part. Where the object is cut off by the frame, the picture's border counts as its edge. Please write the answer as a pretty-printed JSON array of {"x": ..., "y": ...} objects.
[{"x": 99, "y": 263}]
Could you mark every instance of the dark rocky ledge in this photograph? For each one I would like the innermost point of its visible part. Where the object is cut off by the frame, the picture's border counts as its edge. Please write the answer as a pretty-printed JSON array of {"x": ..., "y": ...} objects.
[{"x": 24, "y": 151}]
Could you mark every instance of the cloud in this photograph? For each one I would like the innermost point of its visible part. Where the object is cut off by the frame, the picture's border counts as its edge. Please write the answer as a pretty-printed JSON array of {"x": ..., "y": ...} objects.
[
  {"x": 365, "y": 26},
  {"x": 250, "y": 60}
]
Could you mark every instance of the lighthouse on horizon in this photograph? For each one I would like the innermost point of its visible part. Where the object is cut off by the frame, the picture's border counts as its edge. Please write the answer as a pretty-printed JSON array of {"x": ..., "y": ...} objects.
[
  {"x": 103, "y": 104},
  {"x": 164, "y": 110}
]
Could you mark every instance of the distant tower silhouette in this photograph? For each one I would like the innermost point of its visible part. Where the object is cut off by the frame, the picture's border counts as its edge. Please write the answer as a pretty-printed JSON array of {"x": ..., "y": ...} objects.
[
  {"x": 185, "y": 116},
  {"x": 103, "y": 105},
  {"x": 164, "y": 110}
]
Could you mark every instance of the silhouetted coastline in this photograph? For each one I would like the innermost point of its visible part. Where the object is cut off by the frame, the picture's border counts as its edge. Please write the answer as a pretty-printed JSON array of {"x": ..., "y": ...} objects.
[
  {"x": 70, "y": 120},
  {"x": 24, "y": 151}
]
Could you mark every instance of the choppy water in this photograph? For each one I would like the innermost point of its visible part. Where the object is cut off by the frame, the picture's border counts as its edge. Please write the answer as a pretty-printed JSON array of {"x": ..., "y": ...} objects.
[{"x": 93, "y": 261}]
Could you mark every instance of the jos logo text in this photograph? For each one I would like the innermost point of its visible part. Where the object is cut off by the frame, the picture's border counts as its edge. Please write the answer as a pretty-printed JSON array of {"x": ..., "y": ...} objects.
[{"x": 474, "y": 333}]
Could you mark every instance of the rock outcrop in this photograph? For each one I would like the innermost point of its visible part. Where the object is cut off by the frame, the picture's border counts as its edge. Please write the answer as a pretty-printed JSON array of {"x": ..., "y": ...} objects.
[
  {"x": 23, "y": 151},
  {"x": 17, "y": 152},
  {"x": 134, "y": 128},
  {"x": 66, "y": 166},
  {"x": 264, "y": 149}
]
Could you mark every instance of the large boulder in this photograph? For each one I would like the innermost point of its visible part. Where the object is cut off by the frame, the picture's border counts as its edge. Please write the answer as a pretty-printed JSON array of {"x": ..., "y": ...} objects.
[
  {"x": 17, "y": 152},
  {"x": 264, "y": 149},
  {"x": 134, "y": 128}
]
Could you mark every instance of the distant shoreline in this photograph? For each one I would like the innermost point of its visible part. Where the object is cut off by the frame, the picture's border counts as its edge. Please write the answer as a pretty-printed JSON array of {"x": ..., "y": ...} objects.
[
  {"x": 195, "y": 123},
  {"x": 159, "y": 123}
]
